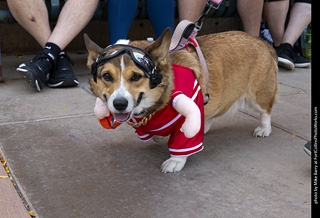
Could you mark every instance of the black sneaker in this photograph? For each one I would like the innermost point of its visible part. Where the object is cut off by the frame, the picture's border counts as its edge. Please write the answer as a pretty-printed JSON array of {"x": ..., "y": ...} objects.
[
  {"x": 36, "y": 71},
  {"x": 300, "y": 61},
  {"x": 285, "y": 56},
  {"x": 63, "y": 76},
  {"x": 307, "y": 148}
]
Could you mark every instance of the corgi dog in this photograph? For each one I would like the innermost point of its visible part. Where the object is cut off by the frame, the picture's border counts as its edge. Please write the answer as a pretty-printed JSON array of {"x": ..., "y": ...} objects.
[{"x": 143, "y": 84}]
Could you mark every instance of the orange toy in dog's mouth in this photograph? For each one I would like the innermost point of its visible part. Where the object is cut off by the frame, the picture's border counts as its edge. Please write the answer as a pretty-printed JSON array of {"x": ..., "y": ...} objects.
[{"x": 122, "y": 117}]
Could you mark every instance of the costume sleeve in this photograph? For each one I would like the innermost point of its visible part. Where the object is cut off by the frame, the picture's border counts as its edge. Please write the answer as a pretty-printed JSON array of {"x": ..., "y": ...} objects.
[{"x": 180, "y": 146}]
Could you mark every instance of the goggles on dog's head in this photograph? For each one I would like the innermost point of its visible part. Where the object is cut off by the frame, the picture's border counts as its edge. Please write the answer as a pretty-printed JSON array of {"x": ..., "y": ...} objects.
[{"x": 139, "y": 56}]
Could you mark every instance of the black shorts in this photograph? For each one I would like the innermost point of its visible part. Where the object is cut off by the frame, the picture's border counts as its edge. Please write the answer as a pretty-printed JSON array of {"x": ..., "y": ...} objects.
[{"x": 301, "y": 1}]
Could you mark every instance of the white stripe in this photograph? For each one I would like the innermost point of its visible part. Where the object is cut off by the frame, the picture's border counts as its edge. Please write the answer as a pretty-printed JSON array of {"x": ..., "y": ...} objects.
[
  {"x": 55, "y": 85},
  {"x": 145, "y": 140},
  {"x": 196, "y": 93},
  {"x": 144, "y": 136},
  {"x": 168, "y": 124},
  {"x": 186, "y": 149},
  {"x": 122, "y": 68},
  {"x": 186, "y": 155},
  {"x": 51, "y": 55},
  {"x": 134, "y": 120},
  {"x": 195, "y": 83}
]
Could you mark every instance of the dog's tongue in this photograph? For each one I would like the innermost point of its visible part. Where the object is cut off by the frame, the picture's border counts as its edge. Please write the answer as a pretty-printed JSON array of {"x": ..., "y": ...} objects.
[{"x": 121, "y": 117}]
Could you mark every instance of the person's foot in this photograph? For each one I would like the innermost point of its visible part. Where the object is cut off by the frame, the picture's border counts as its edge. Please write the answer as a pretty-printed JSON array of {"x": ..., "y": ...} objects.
[
  {"x": 299, "y": 61},
  {"x": 63, "y": 75},
  {"x": 285, "y": 56},
  {"x": 307, "y": 148},
  {"x": 265, "y": 34},
  {"x": 36, "y": 71}
]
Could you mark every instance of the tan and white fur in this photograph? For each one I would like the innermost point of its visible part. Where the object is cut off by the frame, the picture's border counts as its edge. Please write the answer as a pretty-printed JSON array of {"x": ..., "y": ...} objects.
[{"x": 242, "y": 69}]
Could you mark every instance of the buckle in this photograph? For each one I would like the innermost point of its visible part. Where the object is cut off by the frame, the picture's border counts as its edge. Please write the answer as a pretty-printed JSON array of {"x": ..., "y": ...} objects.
[
  {"x": 215, "y": 3},
  {"x": 211, "y": 4}
]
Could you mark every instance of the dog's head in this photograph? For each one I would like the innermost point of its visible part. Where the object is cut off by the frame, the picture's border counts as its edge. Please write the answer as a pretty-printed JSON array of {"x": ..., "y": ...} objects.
[{"x": 133, "y": 80}]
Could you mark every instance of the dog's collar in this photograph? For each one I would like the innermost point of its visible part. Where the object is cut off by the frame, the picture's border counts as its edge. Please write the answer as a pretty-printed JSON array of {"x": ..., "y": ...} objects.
[
  {"x": 144, "y": 121},
  {"x": 140, "y": 57}
]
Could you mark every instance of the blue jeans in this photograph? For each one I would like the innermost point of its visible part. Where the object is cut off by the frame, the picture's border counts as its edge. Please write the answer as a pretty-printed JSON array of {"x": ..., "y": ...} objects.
[{"x": 122, "y": 12}]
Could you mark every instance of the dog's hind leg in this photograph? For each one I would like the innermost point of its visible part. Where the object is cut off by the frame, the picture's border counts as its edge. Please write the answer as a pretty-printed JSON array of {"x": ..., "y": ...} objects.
[
  {"x": 264, "y": 107},
  {"x": 207, "y": 125},
  {"x": 264, "y": 129},
  {"x": 263, "y": 101}
]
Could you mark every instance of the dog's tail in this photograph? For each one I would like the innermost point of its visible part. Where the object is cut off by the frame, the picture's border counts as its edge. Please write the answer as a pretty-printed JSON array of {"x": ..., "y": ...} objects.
[
  {"x": 275, "y": 59},
  {"x": 272, "y": 51},
  {"x": 275, "y": 68}
]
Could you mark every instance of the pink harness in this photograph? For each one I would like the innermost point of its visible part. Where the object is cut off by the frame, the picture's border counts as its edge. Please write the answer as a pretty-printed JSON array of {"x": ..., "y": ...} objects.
[{"x": 185, "y": 34}]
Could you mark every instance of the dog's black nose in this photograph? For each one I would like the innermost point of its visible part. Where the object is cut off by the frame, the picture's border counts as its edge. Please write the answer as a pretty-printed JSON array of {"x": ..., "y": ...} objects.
[{"x": 120, "y": 104}]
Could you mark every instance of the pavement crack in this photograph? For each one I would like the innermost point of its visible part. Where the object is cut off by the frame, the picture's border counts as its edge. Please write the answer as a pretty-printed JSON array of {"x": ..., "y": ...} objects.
[{"x": 46, "y": 119}]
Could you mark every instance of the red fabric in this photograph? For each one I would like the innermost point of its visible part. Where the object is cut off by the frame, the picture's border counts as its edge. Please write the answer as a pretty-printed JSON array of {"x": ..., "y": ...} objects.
[{"x": 168, "y": 121}]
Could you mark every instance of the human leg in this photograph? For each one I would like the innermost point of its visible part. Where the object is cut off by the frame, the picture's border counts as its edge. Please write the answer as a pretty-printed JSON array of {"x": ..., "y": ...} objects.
[
  {"x": 120, "y": 16},
  {"x": 33, "y": 17},
  {"x": 190, "y": 9},
  {"x": 161, "y": 15},
  {"x": 74, "y": 16},
  {"x": 250, "y": 12},
  {"x": 275, "y": 13},
  {"x": 300, "y": 17}
]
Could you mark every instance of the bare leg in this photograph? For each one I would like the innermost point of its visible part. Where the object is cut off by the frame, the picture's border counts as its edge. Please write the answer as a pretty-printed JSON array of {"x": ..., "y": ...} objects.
[
  {"x": 250, "y": 12},
  {"x": 33, "y": 17},
  {"x": 275, "y": 14},
  {"x": 300, "y": 17},
  {"x": 190, "y": 9},
  {"x": 74, "y": 16}
]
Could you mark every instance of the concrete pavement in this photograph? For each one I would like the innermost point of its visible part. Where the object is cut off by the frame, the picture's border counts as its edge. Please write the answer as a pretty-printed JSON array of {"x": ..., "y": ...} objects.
[{"x": 69, "y": 166}]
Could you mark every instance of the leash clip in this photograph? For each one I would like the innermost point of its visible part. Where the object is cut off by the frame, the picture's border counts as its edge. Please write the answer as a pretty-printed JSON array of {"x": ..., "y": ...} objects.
[{"x": 211, "y": 4}]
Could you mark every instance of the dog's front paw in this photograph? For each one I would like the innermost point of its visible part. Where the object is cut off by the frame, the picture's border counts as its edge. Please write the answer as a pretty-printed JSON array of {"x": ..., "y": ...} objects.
[
  {"x": 262, "y": 131},
  {"x": 173, "y": 164}
]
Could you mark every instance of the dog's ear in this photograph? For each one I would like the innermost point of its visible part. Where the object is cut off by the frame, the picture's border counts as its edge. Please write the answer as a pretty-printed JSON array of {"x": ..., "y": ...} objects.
[
  {"x": 160, "y": 48},
  {"x": 93, "y": 49}
]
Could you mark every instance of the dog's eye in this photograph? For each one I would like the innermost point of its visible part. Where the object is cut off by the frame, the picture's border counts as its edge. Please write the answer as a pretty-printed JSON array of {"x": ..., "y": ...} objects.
[
  {"x": 136, "y": 77},
  {"x": 107, "y": 77}
]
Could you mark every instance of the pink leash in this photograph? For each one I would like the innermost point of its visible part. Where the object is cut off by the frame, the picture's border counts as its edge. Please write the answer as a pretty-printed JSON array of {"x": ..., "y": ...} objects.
[{"x": 185, "y": 34}]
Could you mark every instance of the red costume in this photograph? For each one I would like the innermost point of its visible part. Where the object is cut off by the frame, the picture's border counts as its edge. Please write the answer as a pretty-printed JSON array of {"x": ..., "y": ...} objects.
[{"x": 168, "y": 121}]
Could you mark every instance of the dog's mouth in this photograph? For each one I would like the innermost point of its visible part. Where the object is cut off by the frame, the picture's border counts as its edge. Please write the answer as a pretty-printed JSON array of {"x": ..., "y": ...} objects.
[{"x": 122, "y": 117}]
